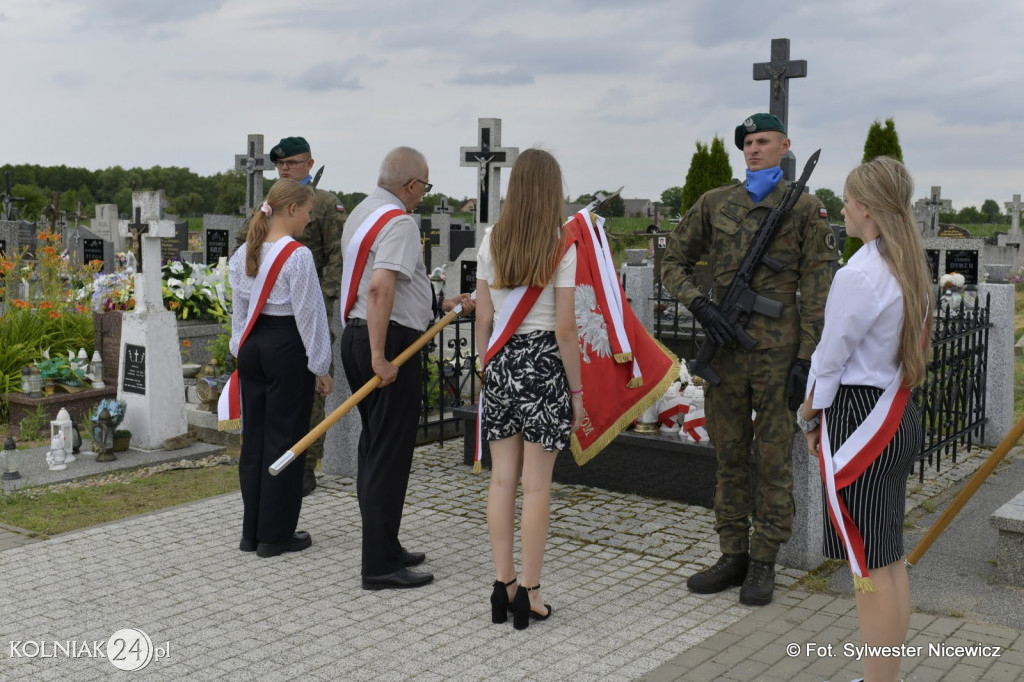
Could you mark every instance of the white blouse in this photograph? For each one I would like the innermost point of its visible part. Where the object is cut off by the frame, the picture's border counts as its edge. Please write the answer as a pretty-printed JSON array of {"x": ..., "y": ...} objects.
[
  {"x": 542, "y": 315},
  {"x": 296, "y": 292},
  {"x": 863, "y": 315}
]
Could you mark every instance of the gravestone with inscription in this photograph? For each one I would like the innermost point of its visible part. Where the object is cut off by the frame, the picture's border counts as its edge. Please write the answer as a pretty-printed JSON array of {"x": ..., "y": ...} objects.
[
  {"x": 18, "y": 236},
  {"x": 951, "y": 251},
  {"x": 105, "y": 224},
  {"x": 253, "y": 163},
  {"x": 219, "y": 236},
  {"x": 172, "y": 247},
  {"x": 85, "y": 246},
  {"x": 149, "y": 378}
]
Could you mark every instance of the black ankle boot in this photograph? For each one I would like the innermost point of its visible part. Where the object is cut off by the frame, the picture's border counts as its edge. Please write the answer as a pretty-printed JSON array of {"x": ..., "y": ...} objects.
[
  {"x": 500, "y": 605},
  {"x": 521, "y": 611},
  {"x": 729, "y": 571},
  {"x": 759, "y": 585}
]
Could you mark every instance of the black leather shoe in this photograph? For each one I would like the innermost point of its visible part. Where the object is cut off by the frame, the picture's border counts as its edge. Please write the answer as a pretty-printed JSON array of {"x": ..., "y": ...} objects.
[
  {"x": 400, "y": 579},
  {"x": 300, "y": 541},
  {"x": 410, "y": 559},
  {"x": 759, "y": 584},
  {"x": 247, "y": 545},
  {"x": 308, "y": 482},
  {"x": 729, "y": 571}
]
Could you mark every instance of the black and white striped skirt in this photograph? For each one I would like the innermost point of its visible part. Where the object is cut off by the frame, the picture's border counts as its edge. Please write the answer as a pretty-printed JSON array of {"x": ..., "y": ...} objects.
[{"x": 877, "y": 499}]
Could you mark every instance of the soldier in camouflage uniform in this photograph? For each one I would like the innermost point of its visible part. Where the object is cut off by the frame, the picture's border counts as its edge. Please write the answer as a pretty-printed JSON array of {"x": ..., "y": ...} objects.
[
  {"x": 323, "y": 237},
  {"x": 768, "y": 379}
]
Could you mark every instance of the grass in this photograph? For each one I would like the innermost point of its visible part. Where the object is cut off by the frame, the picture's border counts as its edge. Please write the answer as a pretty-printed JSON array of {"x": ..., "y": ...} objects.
[{"x": 51, "y": 510}]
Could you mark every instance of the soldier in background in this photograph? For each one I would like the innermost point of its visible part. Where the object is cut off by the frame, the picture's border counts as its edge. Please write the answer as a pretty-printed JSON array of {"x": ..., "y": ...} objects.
[
  {"x": 768, "y": 379},
  {"x": 322, "y": 236}
]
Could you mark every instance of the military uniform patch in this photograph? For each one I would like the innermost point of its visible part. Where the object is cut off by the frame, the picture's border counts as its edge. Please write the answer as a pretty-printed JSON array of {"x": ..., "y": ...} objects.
[
  {"x": 750, "y": 125},
  {"x": 823, "y": 213},
  {"x": 830, "y": 239}
]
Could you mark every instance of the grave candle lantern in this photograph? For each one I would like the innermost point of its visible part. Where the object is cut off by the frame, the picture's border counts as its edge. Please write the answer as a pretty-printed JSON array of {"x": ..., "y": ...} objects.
[{"x": 7, "y": 461}]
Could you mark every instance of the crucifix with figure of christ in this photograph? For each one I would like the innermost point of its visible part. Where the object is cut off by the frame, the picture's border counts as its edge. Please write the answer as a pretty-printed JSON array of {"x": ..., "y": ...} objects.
[
  {"x": 137, "y": 229},
  {"x": 488, "y": 157},
  {"x": 778, "y": 71}
]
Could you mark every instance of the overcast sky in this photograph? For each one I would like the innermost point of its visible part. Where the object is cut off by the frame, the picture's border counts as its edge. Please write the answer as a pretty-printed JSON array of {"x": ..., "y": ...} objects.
[{"x": 618, "y": 91}]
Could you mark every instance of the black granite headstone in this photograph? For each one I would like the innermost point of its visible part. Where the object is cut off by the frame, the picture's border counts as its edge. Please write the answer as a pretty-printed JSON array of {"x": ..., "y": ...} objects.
[
  {"x": 932, "y": 256},
  {"x": 467, "y": 276},
  {"x": 134, "y": 369},
  {"x": 964, "y": 262},
  {"x": 217, "y": 245},
  {"x": 459, "y": 241},
  {"x": 171, "y": 247},
  {"x": 92, "y": 249}
]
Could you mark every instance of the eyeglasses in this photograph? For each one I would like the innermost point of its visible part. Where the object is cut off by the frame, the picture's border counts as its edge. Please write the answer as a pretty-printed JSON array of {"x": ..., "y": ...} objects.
[
  {"x": 284, "y": 163},
  {"x": 426, "y": 185}
]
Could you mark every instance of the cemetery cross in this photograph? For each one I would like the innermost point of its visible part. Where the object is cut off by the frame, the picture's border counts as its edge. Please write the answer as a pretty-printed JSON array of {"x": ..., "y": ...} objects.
[
  {"x": 488, "y": 157},
  {"x": 1014, "y": 208},
  {"x": 934, "y": 203},
  {"x": 253, "y": 163},
  {"x": 778, "y": 71},
  {"x": 10, "y": 211}
]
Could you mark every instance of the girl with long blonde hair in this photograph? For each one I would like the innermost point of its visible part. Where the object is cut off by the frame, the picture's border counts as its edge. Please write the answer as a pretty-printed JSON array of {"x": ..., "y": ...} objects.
[{"x": 532, "y": 394}]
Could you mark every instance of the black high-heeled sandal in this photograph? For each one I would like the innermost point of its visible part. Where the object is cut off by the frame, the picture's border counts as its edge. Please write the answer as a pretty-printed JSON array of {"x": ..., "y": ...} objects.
[
  {"x": 521, "y": 611},
  {"x": 500, "y": 605}
]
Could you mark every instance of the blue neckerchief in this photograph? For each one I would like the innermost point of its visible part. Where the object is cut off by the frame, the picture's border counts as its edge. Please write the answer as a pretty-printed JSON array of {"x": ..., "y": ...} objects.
[
  {"x": 761, "y": 183},
  {"x": 306, "y": 180}
]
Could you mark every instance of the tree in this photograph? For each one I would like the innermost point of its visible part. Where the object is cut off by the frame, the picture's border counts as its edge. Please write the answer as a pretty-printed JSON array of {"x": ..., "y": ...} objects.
[
  {"x": 970, "y": 215},
  {"x": 709, "y": 168},
  {"x": 990, "y": 211},
  {"x": 35, "y": 201},
  {"x": 880, "y": 142},
  {"x": 833, "y": 204},
  {"x": 672, "y": 199}
]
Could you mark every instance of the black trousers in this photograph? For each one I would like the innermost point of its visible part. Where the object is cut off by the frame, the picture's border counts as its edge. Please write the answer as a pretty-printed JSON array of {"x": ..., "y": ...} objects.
[
  {"x": 276, "y": 404},
  {"x": 389, "y": 416}
]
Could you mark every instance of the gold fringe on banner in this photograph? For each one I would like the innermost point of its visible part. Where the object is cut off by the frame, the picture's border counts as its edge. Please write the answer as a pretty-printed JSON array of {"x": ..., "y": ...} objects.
[
  {"x": 229, "y": 425},
  {"x": 863, "y": 585}
]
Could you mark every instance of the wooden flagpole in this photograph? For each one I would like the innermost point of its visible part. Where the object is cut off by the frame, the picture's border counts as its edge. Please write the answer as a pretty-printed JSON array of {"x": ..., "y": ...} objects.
[{"x": 972, "y": 487}]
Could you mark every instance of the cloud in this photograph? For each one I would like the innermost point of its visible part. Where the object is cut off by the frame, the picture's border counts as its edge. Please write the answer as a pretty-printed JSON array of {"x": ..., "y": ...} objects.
[
  {"x": 136, "y": 13},
  {"x": 258, "y": 76},
  {"x": 68, "y": 80},
  {"x": 327, "y": 76},
  {"x": 507, "y": 77}
]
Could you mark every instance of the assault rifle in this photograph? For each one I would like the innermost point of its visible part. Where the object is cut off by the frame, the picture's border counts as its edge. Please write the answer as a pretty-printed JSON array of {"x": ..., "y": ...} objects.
[{"x": 740, "y": 299}]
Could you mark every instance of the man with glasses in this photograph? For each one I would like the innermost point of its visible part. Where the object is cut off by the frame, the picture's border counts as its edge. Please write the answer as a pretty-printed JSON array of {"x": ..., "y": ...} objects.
[
  {"x": 322, "y": 236},
  {"x": 386, "y": 304}
]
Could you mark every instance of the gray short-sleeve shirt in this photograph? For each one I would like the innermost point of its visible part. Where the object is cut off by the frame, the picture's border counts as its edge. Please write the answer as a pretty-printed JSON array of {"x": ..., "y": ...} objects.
[{"x": 397, "y": 248}]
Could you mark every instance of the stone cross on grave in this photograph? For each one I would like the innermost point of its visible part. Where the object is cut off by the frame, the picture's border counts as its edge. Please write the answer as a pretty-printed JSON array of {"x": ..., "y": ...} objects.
[
  {"x": 10, "y": 211},
  {"x": 935, "y": 203},
  {"x": 779, "y": 70},
  {"x": 253, "y": 163},
  {"x": 1013, "y": 207},
  {"x": 488, "y": 157}
]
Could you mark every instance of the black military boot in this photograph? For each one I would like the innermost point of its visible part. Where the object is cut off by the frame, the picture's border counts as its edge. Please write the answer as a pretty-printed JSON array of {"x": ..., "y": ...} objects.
[
  {"x": 308, "y": 482},
  {"x": 730, "y": 571},
  {"x": 760, "y": 583}
]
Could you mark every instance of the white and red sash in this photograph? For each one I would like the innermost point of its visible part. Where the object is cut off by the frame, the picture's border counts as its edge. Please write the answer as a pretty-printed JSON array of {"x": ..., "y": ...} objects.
[
  {"x": 229, "y": 406},
  {"x": 358, "y": 252},
  {"x": 854, "y": 456}
]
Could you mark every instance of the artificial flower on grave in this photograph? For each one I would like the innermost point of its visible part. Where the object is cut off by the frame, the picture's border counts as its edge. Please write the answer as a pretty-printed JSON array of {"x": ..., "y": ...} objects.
[
  {"x": 952, "y": 280},
  {"x": 109, "y": 292},
  {"x": 60, "y": 369},
  {"x": 194, "y": 291}
]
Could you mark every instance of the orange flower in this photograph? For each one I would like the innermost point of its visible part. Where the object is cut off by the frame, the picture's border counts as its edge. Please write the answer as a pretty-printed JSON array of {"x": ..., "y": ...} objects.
[
  {"x": 45, "y": 305},
  {"x": 187, "y": 343},
  {"x": 174, "y": 305},
  {"x": 6, "y": 266},
  {"x": 81, "y": 308},
  {"x": 3, "y": 290},
  {"x": 48, "y": 250},
  {"x": 24, "y": 305},
  {"x": 54, "y": 314},
  {"x": 95, "y": 263},
  {"x": 131, "y": 302}
]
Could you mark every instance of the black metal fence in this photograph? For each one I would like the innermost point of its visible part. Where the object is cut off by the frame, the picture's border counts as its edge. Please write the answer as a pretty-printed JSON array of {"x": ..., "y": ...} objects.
[
  {"x": 952, "y": 399},
  {"x": 450, "y": 379}
]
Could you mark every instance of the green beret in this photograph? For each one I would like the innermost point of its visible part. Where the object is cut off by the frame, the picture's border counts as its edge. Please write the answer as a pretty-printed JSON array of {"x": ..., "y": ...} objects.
[
  {"x": 754, "y": 124},
  {"x": 289, "y": 146}
]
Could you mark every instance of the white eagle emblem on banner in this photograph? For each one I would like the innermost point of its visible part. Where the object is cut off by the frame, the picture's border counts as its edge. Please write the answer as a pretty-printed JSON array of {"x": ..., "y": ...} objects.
[{"x": 590, "y": 324}]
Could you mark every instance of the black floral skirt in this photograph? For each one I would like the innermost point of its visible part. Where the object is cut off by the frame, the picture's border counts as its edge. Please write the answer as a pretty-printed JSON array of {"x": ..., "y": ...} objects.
[{"x": 525, "y": 391}]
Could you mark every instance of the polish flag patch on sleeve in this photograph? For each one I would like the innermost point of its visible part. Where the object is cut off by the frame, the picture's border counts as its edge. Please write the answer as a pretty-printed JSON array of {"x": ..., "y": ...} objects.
[
  {"x": 341, "y": 209},
  {"x": 823, "y": 213}
]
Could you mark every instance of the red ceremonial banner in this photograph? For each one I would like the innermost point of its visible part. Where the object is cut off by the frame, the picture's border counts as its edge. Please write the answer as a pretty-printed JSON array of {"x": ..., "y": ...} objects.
[{"x": 625, "y": 370}]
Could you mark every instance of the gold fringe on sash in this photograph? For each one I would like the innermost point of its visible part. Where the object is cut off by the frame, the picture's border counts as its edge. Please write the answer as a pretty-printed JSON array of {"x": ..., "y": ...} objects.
[
  {"x": 863, "y": 584},
  {"x": 623, "y": 357},
  {"x": 229, "y": 425},
  {"x": 477, "y": 467}
]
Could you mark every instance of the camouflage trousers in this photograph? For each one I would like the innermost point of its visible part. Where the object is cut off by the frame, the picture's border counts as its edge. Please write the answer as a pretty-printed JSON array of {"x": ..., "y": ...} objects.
[{"x": 755, "y": 469}]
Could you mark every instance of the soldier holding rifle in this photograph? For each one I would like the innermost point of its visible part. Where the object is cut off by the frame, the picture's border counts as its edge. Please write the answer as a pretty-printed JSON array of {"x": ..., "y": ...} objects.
[{"x": 766, "y": 373}]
